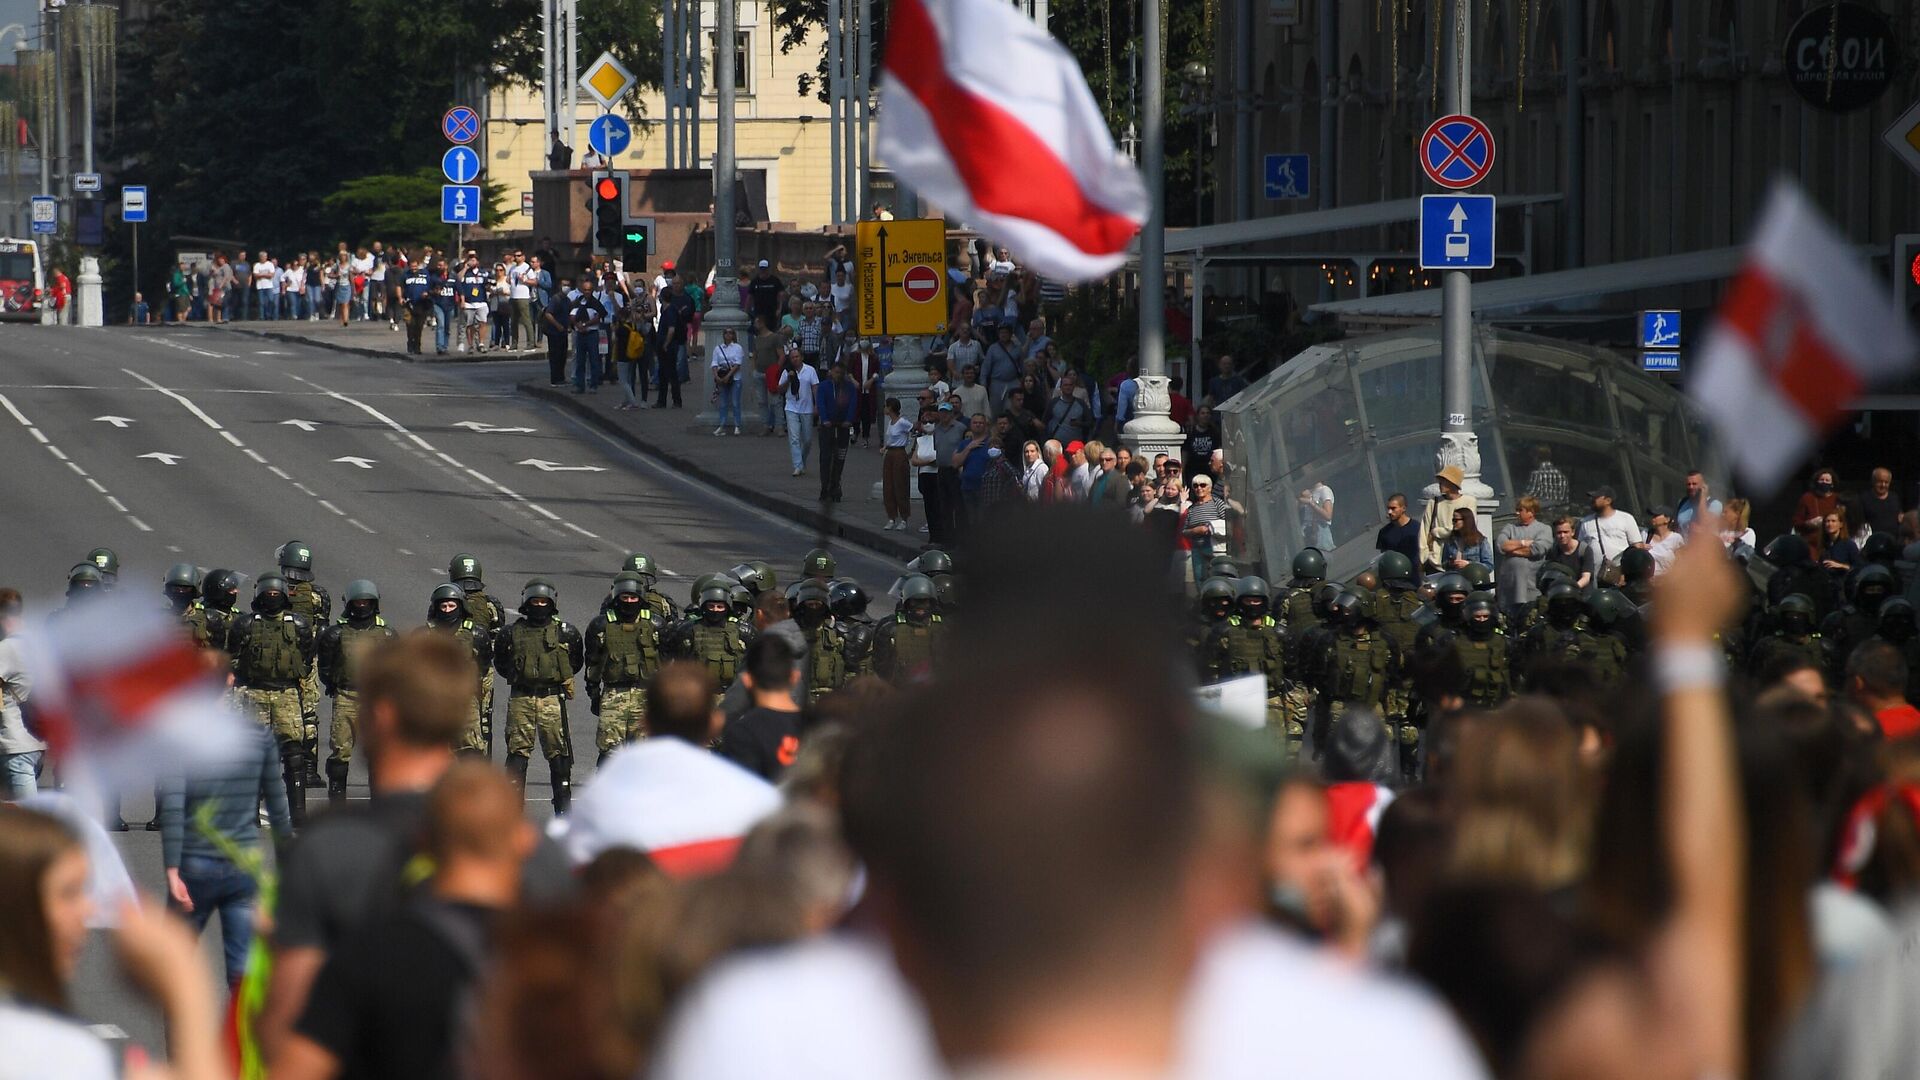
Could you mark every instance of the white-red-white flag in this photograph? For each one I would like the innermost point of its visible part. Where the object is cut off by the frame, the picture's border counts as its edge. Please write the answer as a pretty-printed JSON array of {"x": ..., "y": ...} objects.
[
  {"x": 1802, "y": 332},
  {"x": 988, "y": 117}
]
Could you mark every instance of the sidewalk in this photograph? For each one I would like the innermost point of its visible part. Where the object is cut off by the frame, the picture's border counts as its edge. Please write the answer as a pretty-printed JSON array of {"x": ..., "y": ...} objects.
[
  {"x": 366, "y": 337},
  {"x": 752, "y": 467}
]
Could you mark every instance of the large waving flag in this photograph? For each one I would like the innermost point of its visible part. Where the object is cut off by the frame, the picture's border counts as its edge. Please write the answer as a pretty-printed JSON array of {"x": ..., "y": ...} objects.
[
  {"x": 1802, "y": 332},
  {"x": 988, "y": 117}
]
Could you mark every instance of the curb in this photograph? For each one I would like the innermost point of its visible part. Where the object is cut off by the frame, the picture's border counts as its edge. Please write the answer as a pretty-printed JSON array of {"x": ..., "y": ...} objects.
[
  {"x": 378, "y": 354},
  {"x": 872, "y": 539}
]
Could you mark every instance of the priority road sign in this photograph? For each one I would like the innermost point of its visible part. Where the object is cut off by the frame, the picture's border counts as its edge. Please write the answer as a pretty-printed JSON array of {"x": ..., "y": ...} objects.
[
  {"x": 900, "y": 277},
  {"x": 1286, "y": 176},
  {"x": 46, "y": 214},
  {"x": 1659, "y": 329},
  {"x": 606, "y": 79},
  {"x": 1904, "y": 137},
  {"x": 133, "y": 203},
  {"x": 460, "y": 204},
  {"x": 460, "y": 164},
  {"x": 460, "y": 124},
  {"x": 1456, "y": 151},
  {"x": 1456, "y": 232},
  {"x": 609, "y": 135}
]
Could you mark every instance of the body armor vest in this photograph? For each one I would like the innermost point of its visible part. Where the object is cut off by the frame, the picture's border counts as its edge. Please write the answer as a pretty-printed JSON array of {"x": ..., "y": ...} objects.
[
  {"x": 271, "y": 653},
  {"x": 632, "y": 650}
]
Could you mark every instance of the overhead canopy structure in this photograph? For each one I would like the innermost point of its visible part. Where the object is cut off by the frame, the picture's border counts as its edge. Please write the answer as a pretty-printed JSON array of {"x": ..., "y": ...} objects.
[
  {"x": 1541, "y": 290},
  {"x": 1362, "y": 416}
]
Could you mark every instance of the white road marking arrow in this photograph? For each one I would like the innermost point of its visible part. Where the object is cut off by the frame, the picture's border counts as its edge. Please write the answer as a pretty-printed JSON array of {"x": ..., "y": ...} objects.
[
  {"x": 116, "y": 421},
  {"x": 164, "y": 459},
  {"x": 303, "y": 425},
  {"x": 365, "y": 463},
  {"x": 554, "y": 466},
  {"x": 488, "y": 429}
]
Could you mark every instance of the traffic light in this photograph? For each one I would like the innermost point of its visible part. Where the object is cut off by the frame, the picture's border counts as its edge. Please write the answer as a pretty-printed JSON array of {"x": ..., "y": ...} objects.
[
  {"x": 633, "y": 246},
  {"x": 1906, "y": 276},
  {"x": 609, "y": 212}
]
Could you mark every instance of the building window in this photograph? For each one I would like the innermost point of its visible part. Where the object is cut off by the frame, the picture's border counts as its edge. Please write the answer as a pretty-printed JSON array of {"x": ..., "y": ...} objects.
[{"x": 742, "y": 63}]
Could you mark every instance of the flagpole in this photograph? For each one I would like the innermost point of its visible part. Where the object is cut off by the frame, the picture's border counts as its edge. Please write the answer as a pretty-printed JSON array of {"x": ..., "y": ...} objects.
[
  {"x": 1152, "y": 430},
  {"x": 1458, "y": 444}
]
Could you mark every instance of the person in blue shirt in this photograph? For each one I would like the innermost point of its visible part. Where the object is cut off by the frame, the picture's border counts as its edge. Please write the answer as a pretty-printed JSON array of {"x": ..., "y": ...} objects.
[
  {"x": 139, "y": 313},
  {"x": 837, "y": 409},
  {"x": 1467, "y": 544},
  {"x": 972, "y": 461},
  {"x": 676, "y": 326},
  {"x": 587, "y": 319},
  {"x": 441, "y": 285},
  {"x": 416, "y": 291}
]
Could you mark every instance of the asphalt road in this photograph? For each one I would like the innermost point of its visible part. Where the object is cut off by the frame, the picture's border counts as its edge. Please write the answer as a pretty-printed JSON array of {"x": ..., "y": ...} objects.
[{"x": 183, "y": 445}]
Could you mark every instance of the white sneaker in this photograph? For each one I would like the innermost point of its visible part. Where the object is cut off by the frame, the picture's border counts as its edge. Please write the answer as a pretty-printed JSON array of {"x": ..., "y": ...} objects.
[
  {"x": 719, "y": 431},
  {"x": 736, "y": 431},
  {"x": 923, "y": 528},
  {"x": 462, "y": 347}
]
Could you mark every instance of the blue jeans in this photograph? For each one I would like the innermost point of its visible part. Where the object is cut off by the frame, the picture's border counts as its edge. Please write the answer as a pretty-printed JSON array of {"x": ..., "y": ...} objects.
[
  {"x": 729, "y": 396},
  {"x": 629, "y": 378},
  {"x": 217, "y": 885},
  {"x": 269, "y": 304},
  {"x": 586, "y": 359},
  {"x": 442, "y": 326},
  {"x": 22, "y": 772},
  {"x": 314, "y": 304},
  {"x": 771, "y": 411},
  {"x": 799, "y": 437}
]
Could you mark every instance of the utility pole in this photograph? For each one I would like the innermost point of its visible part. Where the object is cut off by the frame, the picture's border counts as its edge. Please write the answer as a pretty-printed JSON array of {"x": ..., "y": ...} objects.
[
  {"x": 1152, "y": 430},
  {"x": 1458, "y": 444},
  {"x": 59, "y": 105},
  {"x": 862, "y": 77},
  {"x": 849, "y": 64},
  {"x": 571, "y": 91},
  {"x": 696, "y": 51},
  {"x": 833, "y": 111},
  {"x": 669, "y": 78},
  {"x": 90, "y": 311},
  {"x": 725, "y": 314}
]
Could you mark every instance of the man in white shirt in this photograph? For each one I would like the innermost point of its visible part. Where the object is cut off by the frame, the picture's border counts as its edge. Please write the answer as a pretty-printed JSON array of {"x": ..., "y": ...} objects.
[
  {"x": 1610, "y": 531},
  {"x": 963, "y": 350},
  {"x": 520, "y": 278},
  {"x": 266, "y": 288}
]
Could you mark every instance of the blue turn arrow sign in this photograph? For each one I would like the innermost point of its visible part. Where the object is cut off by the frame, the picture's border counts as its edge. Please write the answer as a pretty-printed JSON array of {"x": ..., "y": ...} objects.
[
  {"x": 609, "y": 135},
  {"x": 460, "y": 164}
]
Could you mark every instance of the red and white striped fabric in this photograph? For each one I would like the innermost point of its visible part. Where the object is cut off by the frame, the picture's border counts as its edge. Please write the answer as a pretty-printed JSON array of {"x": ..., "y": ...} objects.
[
  {"x": 687, "y": 808},
  {"x": 1802, "y": 332},
  {"x": 988, "y": 117},
  {"x": 1353, "y": 816}
]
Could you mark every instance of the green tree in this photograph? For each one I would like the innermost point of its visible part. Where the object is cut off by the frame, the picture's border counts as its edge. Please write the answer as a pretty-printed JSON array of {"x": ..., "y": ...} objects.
[{"x": 402, "y": 208}]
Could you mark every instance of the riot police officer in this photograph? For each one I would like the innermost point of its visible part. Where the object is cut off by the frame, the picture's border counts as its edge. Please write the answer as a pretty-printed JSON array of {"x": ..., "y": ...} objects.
[
  {"x": 538, "y": 656},
  {"x": 447, "y": 612},
  {"x": 312, "y": 601},
  {"x": 1793, "y": 632},
  {"x": 848, "y": 602},
  {"x": 1557, "y": 633},
  {"x": 1212, "y": 608},
  {"x": 757, "y": 576},
  {"x": 273, "y": 648},
  {"x": 1248, "y": 642},
  {"x": 1448, "y": 610},
  {"x": 714, "y": 639},
  {"x": 83, "y": 585},
  {"x": 343, "y": 647},
  {"x": 1296, "y": 601},
  {"x": 1308, "y": 653},
  {"x": 1223, "y": 566},
  {"x": 910, "y": 646},
  {"x": 1361, "y": 668},
  {"x": 1602, "y": 641},
  {"x": 826, "y": 659},
  {"x": 108, "y": 564},
  {"x": 665, "y": 612},
  {"x": 623, "y": 653},
  {"x": 1483, "y": 652},
  {"x": 490, "y": 618},
  {"x": 1868, "y": 588},
  {"x": 181, "y": 589},
  {"x": 934, "y": 563},
  {"x": 1796, "y": 572},
  {"x": 819, "y": 565},
  {"x": 213, "y": 615}
]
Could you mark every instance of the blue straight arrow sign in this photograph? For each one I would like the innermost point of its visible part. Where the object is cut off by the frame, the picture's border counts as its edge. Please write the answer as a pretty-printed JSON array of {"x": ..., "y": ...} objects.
[{"x": 460, "y": 164}]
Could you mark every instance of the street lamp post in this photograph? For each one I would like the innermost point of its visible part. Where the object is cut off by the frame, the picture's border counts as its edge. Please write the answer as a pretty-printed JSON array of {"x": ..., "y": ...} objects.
[
  {"x": 725, "y": 314},
  {"x": 1152, "y": 430}
]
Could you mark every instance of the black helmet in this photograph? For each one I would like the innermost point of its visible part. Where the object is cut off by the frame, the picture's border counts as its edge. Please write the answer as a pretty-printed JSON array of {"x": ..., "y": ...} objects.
[
  {"x": 704, "y": 581},
  {"x": 1310, "y": 564},
  {"x": 1552, "y": 574},
  {"x": 932, "y": 562},
  {"x": 1214, "y": 592},
  {"x": 539, "y": 589},
  {"x": 917, "y": 587},
  {"x": 946, "y": 592},
  {"x": 296, "y": 560},
  {"x": 628, "y": 581},
  {"x": 1479, "y": 578},
  {"x": 1351, "y": 608},
  {"x": 84, "y": 577},
  {"x": 183, "y": 576},
  {"x": 362, "y": 599},
  {"x": 1636, "y": 564},
  {"x": 1323, "y": 595},
  {"x": 1795, "y": 612},
  {"x": 1787, "y": 550},
  {"x": 105, "y": 561},
  {"x": 811, "y": 603},
  {"x": 1564, "y": 605},
  {"x": 818, "y": 563},
  {"x": 742, "y": 598},
  {"x": 1481, "y": 615},
  {"x": 847, "y": 599},
  {"x": 1607, "y": 607},
  {"x": 1897, "y": 622},
  {"x": 1870, "y": 586},
  {"x": 642, "y": 564},
  {"x": 1450, "y": 591},
  {"x": 264, "y": 589},
  {"x": 463, "y": 568},
  {"x": 442, "y": 594},
  {"x": 1881, "y": 548},
  {"x": 220, "y": 589},
  {"x": 1252, "y": 591},
  {"x": 714, "y": 603},
  {"x": 1396, "y": 571},
  {"x": 1223, "y": 566},
  {"x": 757, "y": 576}
]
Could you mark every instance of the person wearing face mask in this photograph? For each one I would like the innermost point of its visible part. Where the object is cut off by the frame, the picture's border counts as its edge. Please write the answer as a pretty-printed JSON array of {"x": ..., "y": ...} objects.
[
  {"x": 1819, "y": 500},
  {"x": 447, "y": 613},
  {"x": 272, "y": 647},
  {"x": 210, "y": 617},
  {"x": 908, "y": 646},
  {"x": 623, "y": 653},
  {"x": 1483, "y": 653},
  {"x": 826, "y": 664},
  {"x": 714, "y": 639},
  {"x": 538, "y": 656},
  {"x": 182, "y": 591},
  {"x": 342, "y": 648}
]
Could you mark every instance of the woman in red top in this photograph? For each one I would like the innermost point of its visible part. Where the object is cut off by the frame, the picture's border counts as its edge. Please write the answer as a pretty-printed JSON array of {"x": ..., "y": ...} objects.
[
  {"x": 62, "y": 293},
  {"x": 1818, "y": 500}
]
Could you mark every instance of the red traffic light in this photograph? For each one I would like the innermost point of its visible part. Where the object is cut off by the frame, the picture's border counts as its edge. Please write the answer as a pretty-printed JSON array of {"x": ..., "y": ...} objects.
[
  {"x": 1913, "y": 269},
  {"x": 607, "y": 188}
]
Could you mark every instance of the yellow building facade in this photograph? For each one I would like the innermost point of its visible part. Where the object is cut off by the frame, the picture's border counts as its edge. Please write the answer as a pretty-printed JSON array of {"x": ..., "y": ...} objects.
[{"x": 778, "y": 132}]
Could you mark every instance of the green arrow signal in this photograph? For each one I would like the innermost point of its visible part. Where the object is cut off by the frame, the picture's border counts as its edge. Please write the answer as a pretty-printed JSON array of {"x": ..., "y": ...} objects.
[{"x": 636, "y": 237}]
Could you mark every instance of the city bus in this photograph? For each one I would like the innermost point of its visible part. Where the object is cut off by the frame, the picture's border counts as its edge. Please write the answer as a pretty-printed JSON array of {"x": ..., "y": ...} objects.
[{"x": 22, "y": 287}]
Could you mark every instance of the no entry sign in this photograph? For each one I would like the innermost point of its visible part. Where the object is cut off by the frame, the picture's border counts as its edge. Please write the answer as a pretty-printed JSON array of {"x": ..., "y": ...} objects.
[
  {"x": 1456, "y": 152},
  {"x": 921, "y": 284}
]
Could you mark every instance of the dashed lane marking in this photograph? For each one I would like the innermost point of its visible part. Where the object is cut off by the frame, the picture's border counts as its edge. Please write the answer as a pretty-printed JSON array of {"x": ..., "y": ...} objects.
[{"x": 99, "y": 488}]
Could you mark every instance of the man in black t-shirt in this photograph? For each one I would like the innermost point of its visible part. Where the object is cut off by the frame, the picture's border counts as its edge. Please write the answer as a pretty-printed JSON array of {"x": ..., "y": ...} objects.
[
  {"x": 765, "y": 739},
  {"x": 1401, "y": 533},
  {"x": 391, "y": 1001},
  {"x": 767, "y": 295}
]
